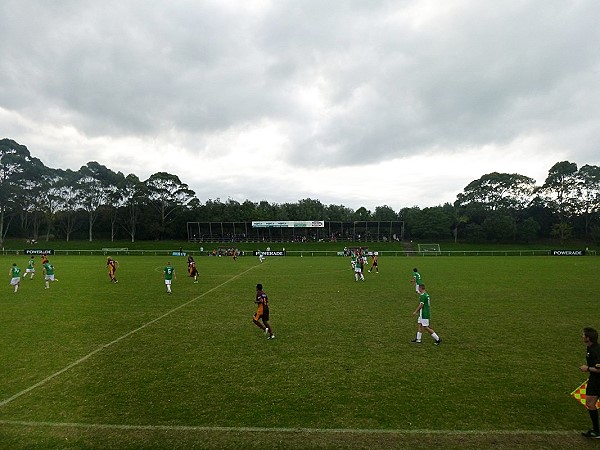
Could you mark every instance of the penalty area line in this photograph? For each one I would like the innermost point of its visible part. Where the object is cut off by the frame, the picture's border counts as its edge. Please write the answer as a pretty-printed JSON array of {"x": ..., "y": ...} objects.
[
  {"x": 119, "y": 339},
  {"x": 283, "y": 430}
]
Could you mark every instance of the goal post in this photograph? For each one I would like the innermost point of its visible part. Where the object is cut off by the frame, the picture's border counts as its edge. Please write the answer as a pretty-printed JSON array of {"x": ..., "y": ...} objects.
[{"x": 429, "y": 248}]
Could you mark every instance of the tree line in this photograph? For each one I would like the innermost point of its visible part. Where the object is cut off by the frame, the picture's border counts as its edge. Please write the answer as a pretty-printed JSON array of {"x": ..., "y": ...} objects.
[{"x": 94, "y": 202}]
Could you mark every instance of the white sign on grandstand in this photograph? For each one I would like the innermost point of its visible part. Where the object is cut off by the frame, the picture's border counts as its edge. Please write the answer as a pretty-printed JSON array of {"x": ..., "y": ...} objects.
[
  {"x": 290, "y": 224},
  {"x": 435, "y": 248}
]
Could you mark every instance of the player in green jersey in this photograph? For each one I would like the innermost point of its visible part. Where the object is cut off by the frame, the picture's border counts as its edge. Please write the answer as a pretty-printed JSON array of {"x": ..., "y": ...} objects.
[
  {"x": 417, "y": 280},
  {"x": 15, "y": 276},
  {"x": 48, "y": 274},
  {"x": 424, "y": 312},
  {"x": 169, "y": 276},
  {"x": 30, "y": 269}
]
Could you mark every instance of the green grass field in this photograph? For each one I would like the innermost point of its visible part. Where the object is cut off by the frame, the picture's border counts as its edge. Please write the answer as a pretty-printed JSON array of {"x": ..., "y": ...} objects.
[{"x": 90, "y": 364}]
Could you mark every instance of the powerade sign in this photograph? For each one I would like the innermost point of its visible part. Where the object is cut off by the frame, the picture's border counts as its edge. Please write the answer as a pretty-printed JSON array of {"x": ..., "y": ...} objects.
[
  {"x": 270, "y": 253},
  {"x": 35, "y": 251},
  {"x": 568, "y": 252}
]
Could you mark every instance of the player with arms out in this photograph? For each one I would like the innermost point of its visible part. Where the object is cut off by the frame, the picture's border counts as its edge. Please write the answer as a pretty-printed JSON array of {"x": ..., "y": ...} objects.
[
  {"x": 424, "y": 312},
  {"x": 112, "y": 269},
  {"x": 262, "y": 312}
]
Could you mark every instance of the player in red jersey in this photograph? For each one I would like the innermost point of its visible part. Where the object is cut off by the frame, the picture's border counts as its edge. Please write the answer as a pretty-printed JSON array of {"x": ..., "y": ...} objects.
[
  {"x": 192, "y": 269},
  {"x": 112, "y": 269}
]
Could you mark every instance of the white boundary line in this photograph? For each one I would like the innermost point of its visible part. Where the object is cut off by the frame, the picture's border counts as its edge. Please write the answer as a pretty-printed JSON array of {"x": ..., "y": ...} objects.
[
  {"x": 98, "y": 426},
  {"x": 119, "y": 339}
]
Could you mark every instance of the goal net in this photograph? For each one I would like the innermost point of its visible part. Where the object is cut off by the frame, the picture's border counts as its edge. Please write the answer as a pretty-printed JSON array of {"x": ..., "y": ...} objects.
[{"x": 429, "y": 248}]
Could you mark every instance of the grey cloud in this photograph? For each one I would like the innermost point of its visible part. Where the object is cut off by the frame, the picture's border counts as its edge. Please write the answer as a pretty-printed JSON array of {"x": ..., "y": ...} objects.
[{"x": 482, "y": 73}]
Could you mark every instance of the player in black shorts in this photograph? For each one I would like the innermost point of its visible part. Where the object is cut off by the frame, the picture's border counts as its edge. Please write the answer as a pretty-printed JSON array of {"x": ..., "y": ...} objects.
[
  {"x": 262, "y": 312},
  {"x": 592, "y": 391}
]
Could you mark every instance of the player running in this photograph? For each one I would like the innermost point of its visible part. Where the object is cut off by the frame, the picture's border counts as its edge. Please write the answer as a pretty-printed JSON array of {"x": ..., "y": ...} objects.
[
  {"x": 30, "y": 269},
  {"x": 262, "y": 312},
  {"x": 48, "y": 273},
  {"x": 192, "y": 269},
  {"x": 15, "y": 276}
]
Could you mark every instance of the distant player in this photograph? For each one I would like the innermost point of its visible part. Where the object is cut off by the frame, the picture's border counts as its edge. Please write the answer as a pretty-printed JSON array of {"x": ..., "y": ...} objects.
[
  {"x": 48, "y": 270},
  {"x": 169, "y": 276},
  {"x": 424, "y": 312},
  {"x": 192, "y": 269},
  {"x": 15, "y": 277},
  {"x": 30, "y": 269},
  {"x": 112, "y": 269},
  {"x": 262, "y": 312},
  {"x": 417, "y": 280},
  {"x": 358, "y": 270},
  {"x": 261, "y": 256},
  {"x": 353, "y": 260},
  {"x": 374, "y": 263}
]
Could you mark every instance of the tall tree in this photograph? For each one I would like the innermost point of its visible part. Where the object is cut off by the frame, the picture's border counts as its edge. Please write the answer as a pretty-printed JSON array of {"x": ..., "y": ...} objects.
[
  {"x": 498, "y": 191},
  {"x": 560, "y": 193},
  {"x": 132, "y": 192},
  {"x": 93, "y": 188},
  {"x": 588, "y": 180},
  {"x": 384, "y": 213},
  {"x": 15, "y": 164},
  {"x": 168, "y": 195},
  {"x": 51, "y": 198}
]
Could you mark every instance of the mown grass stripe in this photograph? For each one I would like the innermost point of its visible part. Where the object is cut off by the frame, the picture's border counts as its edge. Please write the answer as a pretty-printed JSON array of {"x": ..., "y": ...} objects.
[{"x": 282, "y": 430}]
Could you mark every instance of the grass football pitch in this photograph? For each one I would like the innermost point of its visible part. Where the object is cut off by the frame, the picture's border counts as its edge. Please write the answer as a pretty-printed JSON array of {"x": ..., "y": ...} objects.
[{"x": 91, "y": 364}]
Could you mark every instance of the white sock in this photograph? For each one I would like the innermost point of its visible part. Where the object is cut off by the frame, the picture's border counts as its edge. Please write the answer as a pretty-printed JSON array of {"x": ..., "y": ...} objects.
[
  {"x": 419, "y": 335},
  {"x": 435, "y": 336}
]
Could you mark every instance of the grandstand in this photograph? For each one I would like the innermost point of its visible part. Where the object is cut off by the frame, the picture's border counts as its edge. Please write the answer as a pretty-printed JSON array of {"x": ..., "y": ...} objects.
[{"x": 332, "y": 231}]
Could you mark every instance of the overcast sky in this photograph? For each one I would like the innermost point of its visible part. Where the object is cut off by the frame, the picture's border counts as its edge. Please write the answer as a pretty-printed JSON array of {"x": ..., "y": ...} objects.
[{"x": 354, "y": 103}]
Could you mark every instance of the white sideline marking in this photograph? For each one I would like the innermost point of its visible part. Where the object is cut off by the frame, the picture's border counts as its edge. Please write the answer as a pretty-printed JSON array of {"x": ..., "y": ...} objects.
[
  {"x": 284, "y": 430},
  {"x": 89, "y": 355}
]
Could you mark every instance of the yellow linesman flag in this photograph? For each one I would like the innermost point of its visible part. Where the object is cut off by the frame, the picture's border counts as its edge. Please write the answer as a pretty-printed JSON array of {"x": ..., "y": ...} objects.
[{"x": 579, "y": 394}]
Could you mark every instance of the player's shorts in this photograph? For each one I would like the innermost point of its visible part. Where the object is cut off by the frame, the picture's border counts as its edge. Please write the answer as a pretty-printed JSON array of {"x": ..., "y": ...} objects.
[
  {"x": 168, "y": 282},
  {"x": 49, "y": 278},
  {"x": 193, "y": 273},
  {"x": 417, "y": 288},
  {"x": 358, "y": 269},
  {"x": 29, "y": 270},
  {"x": 424, "y": 322},
  {"x": 14, "y": 281},
  {"x": 262, "y": 313},
  {"x": 593, "y": 387}
]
